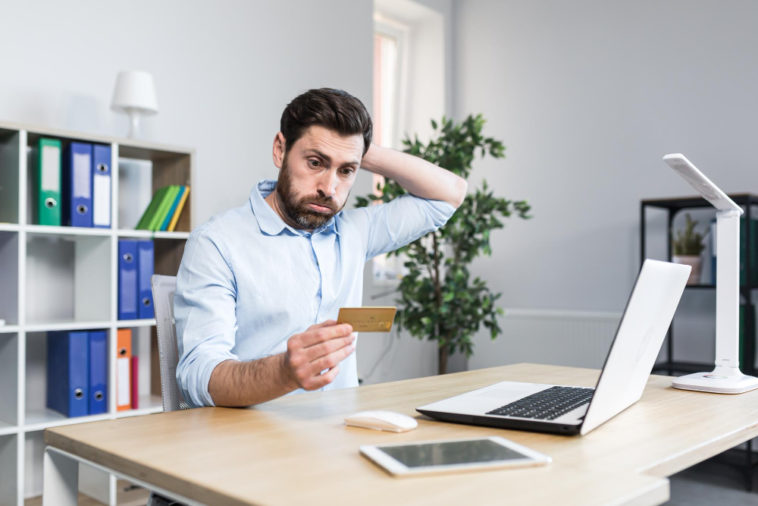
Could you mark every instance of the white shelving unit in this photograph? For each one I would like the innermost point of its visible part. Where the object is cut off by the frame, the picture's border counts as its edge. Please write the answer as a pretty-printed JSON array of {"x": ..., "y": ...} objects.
[{"x": 65, "y": 278}]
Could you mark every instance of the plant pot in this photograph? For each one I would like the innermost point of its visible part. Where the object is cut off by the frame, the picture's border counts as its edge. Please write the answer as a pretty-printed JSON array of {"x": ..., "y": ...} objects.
[{"x": 694, "y": 262}]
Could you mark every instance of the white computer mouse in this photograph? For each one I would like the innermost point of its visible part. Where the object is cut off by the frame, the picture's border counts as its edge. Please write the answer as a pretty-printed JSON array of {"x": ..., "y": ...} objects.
[{"x": 382, "y": 420}]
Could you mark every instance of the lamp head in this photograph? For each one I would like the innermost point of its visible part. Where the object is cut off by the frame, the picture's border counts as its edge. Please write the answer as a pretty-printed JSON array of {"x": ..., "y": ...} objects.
[
  {"x": 700, "y": 183},
  {"x": 135, "y": 93}
]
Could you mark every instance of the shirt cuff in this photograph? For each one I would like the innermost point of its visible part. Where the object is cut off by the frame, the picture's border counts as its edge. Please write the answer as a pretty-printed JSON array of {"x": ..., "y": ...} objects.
[{"x": 194, "y": 376}]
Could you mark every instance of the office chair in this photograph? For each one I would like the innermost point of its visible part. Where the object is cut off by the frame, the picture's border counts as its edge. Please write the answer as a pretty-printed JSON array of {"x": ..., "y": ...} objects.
[{"x": 163, "y": 300}]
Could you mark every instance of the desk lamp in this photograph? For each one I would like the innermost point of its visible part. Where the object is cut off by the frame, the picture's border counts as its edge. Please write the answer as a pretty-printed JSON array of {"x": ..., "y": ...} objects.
[
  {"x": 726, "y": 378},
  {"x": 134, "y": 94}
]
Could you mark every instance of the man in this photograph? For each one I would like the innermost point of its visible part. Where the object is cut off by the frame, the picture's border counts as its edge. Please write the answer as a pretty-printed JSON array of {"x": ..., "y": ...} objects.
[{"x": 259, "y": 286}]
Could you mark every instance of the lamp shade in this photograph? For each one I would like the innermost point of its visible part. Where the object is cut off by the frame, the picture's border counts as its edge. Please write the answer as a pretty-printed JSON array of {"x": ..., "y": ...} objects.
[{"x": 135, "y": 92}]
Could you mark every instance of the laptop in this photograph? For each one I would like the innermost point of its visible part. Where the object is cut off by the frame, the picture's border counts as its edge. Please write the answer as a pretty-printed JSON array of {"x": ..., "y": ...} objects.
[{"x": 571, "y": 410}]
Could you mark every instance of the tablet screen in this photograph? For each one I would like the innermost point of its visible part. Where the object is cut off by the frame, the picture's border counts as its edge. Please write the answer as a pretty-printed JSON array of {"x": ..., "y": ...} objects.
[{"x": 448, "y": 453}]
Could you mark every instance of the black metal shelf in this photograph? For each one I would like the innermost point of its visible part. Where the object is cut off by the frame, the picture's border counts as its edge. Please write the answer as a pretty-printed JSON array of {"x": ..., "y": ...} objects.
[
  {"x": 673, "y": 206},
  {"x": 678, "y": 367}
]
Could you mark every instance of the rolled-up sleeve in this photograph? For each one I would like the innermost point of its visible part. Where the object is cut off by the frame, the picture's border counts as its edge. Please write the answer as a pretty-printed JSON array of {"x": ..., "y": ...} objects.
[
  {"x": 204, "y": 309},
  {"x": 403, "y": 220}
]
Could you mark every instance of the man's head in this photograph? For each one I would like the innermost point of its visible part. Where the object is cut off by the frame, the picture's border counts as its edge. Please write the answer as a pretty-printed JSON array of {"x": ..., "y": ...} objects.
[
  {"x": 332, "y": 109},
  {"x": 324, "y": 135}
]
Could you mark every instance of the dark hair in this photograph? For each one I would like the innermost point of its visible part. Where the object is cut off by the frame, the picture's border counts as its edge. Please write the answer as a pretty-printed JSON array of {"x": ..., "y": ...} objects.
[{"x": 333, "y": 109}]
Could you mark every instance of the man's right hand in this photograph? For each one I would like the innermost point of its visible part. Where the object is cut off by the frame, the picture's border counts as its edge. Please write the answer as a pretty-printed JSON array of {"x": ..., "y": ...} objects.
[
  {"x": 320, "y": 348},
  {"x": 312, "y": 357}
]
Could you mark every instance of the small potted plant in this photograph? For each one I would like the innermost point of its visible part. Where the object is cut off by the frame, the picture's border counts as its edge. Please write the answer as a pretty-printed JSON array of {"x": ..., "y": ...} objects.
[{"x": 687, "y": 245}]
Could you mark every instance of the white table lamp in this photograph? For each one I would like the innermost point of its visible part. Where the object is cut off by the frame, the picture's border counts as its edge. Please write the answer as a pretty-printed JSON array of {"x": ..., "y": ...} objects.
[
  {"x": 726, "y": 378},
  {"x": 134, "y": 94}
]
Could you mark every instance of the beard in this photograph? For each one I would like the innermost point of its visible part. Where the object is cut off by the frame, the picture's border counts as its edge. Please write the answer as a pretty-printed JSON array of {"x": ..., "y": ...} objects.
[{"x": 297, "y": 210}]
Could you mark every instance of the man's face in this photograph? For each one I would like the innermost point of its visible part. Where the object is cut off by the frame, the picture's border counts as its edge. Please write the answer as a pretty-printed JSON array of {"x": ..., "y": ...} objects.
[{"x": 316, "y": 175}]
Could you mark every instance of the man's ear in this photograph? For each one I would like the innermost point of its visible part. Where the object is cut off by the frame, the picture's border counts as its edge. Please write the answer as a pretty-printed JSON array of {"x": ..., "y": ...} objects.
[{"x": 280, "y": 145}]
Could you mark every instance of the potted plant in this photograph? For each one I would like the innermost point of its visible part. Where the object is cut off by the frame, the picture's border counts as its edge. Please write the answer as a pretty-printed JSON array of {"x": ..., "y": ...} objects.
[
  {"x": 439, "y": 299},
  {"x": 687, "y": 245}
]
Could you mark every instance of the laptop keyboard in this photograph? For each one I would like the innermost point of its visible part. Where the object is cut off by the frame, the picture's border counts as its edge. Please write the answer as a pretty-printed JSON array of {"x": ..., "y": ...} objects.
[{"x": 548, "y": 404}]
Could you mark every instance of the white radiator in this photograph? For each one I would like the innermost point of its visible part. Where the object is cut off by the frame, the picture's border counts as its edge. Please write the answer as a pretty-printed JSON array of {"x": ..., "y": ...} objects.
[{"x": 573, "y": 338}]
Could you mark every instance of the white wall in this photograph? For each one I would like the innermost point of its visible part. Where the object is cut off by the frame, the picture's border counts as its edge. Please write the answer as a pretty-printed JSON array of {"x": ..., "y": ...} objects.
[
  {"x": 587, "y": 96},
  {"x": 446, "y": 10},
  {"x": 224, "y": 70}
]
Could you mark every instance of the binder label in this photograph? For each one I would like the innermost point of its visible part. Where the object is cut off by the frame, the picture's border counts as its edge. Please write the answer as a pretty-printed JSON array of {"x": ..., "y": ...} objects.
[
  {"x": 81, "y": 175},
  {"x": 123, "y": 395},
  {"x": 102, "y": 202},
  {"x": 51, "y": 179}
]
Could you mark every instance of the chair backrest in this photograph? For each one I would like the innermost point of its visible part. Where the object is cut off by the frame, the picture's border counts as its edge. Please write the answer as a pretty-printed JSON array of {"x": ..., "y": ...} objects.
[{"x": 163, "y": 300}]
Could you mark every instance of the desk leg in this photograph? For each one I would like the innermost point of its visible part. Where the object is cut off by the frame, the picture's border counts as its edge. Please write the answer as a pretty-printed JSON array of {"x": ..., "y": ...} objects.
[{"x": 60, "y": 481}]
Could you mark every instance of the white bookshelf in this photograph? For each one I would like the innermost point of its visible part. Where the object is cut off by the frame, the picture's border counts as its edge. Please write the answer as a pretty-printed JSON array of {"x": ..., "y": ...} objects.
[{"x": 65, "y": 278}]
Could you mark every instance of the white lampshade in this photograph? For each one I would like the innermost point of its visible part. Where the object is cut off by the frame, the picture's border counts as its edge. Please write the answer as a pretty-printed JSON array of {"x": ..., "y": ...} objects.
[{"x": 135, "y": 92}]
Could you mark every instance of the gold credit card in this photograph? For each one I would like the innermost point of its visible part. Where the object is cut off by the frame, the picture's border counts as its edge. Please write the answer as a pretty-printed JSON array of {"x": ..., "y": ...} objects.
[{"x": 368, "y": 318}]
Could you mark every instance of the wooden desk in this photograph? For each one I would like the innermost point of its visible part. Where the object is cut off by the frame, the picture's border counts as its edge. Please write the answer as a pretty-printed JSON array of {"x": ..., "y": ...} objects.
[{"x": 296, "y": 450}]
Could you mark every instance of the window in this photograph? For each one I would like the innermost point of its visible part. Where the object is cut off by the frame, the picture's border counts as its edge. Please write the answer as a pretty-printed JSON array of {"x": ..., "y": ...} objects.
[
  {"x": 389, "y": 82},
  {"x": 409, "y": 85},
  {"x": 388, "y": 70},
  {"x": 385, "y": 88}
]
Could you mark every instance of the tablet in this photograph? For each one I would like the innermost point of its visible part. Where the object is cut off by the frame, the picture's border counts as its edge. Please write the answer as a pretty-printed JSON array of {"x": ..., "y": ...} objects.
[{"x": 409, "y": 459}]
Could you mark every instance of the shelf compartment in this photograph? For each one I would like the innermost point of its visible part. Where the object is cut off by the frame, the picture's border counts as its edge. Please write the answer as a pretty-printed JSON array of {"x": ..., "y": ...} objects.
[
  {"x": 32, "y": 158},
  {"x": 38, "y": 416},
  {"x": 68, "y": 278},
  {"x": 145, "y": 348},
  {"x": 9, "y": 175},
  {"x": 37, "y": 413},
  {"x": 8, "y": 470},
  {"x": 141, "y": 172},
  {"x": 168, "y": 256},
  {"x": 34, "y": 453},
  {"x": 8, "y": 380},
  {"x": 9, "y": 270},
  {"x": 135, "y": 189}
]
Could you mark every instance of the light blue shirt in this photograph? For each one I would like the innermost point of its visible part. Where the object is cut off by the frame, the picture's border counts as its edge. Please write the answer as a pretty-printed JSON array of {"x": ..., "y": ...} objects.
[{"x": 248, "y": 281}]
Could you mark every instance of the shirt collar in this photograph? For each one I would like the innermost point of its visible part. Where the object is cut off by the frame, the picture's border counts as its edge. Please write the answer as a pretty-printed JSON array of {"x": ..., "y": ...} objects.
[{"x": 271, "y": 223}]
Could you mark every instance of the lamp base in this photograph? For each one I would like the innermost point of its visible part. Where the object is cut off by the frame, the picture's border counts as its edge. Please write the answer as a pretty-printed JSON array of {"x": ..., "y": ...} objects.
[
  {"x": 134, "y": 117},
  {"x": 719, "y": 381}
]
